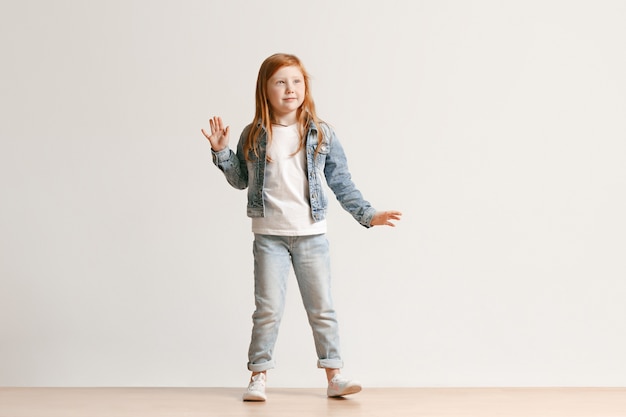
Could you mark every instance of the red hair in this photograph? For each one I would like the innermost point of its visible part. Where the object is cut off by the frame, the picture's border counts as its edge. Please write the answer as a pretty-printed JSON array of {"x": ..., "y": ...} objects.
[{"x": 263, "y": 110}]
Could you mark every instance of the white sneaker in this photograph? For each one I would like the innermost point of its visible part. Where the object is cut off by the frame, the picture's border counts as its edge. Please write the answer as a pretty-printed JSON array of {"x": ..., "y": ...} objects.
[
  {"x": 256, "y": 389},
  {"x": 340, "y": 386}
]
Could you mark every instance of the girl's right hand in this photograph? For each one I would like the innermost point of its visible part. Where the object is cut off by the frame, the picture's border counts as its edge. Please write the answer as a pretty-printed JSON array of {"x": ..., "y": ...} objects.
[{"x": 219, "y": 135}]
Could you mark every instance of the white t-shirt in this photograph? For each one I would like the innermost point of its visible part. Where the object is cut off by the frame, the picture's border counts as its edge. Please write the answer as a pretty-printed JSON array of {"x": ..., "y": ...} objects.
[{"x": 286, "y": 189}]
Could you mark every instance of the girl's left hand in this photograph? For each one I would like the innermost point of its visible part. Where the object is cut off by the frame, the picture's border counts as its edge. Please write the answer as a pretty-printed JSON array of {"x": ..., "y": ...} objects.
[{"x": 383, "y": 218}]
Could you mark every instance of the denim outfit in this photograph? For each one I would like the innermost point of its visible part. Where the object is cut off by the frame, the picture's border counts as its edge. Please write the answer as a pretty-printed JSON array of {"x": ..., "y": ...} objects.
[{"x": 309, "y": 255}]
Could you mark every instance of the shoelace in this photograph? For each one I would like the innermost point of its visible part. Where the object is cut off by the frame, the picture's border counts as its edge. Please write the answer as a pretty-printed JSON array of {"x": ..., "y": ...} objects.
[
  {"x": 258, "y": 383},
  {"x": 338, "y": 381}
]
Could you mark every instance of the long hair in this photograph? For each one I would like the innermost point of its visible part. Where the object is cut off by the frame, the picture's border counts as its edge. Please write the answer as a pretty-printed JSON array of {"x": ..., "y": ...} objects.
[{"x": 263, "y": 112}]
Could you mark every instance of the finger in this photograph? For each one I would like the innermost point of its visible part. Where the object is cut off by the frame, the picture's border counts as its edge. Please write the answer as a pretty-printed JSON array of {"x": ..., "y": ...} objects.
[
  {"x": 206, "y": 135},
  {"x": 389, "y": 223},
  {"x": 213, "y": 125},
  {"x": 391, "y": 217},
  {"x": 219, "y": 124}
]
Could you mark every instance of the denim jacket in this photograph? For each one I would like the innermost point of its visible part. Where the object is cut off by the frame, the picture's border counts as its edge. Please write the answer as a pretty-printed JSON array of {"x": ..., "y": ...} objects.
[{"x": 330, "y": 163}]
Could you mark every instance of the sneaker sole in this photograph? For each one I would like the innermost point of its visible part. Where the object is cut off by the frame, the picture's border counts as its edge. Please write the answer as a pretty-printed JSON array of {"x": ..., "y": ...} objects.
[
  {"x": 254, "y": 397},
  {"x": 348, "y": 391}
]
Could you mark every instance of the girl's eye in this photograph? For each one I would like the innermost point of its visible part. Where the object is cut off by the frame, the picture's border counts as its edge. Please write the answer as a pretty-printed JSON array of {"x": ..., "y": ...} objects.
[
  {"x": 297, "y": 81},
  {"x": 280, "y": 82}
]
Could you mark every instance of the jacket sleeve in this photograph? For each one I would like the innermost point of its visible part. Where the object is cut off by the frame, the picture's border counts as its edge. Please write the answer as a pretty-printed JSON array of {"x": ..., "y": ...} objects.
[
  {"x": 340, "y": 182},
  {"x": 232, "y": 164}
]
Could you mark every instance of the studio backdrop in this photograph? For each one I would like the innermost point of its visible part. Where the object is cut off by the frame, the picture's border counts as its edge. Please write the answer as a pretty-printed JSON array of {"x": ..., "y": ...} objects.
[{"x": 496, "y": 127}]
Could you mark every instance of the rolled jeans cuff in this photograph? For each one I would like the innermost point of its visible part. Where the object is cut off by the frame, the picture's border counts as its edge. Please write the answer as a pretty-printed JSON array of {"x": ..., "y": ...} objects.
[
  {"x": 330, "y": 363},
  {"x": 261, "y": 367}
]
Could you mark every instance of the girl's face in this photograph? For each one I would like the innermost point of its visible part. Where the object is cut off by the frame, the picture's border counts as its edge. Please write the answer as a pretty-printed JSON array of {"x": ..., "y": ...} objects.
[{"x": 285, "y": 92}]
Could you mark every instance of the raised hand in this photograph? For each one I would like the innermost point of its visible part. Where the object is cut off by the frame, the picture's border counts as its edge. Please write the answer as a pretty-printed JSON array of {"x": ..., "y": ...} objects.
[
  {"x": 384, "y": 218},
  {"x": 219, "y": 135}
]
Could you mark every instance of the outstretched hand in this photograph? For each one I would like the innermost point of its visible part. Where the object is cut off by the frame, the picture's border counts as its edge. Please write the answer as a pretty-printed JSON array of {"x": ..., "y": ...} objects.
[
  {"x": 219, "y": 135},
  {"x": 384, "y": 218}
]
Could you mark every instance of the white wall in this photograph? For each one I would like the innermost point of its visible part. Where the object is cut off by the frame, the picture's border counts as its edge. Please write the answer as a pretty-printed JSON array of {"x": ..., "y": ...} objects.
[{"x": 496, "y": 127}]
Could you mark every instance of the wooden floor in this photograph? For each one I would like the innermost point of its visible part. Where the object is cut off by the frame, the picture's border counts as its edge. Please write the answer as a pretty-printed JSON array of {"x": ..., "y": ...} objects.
[{"x": 373, "y": 402}]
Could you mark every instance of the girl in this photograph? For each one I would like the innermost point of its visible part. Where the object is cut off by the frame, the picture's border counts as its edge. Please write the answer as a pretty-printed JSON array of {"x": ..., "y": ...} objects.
[{"x": 282, "y": 157}]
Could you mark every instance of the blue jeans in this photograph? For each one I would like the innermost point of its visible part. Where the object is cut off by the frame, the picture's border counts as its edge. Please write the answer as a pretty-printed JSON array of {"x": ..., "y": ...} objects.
[{"x": 309, "y": 256}]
